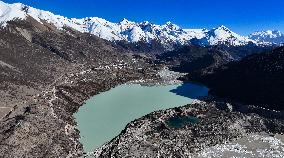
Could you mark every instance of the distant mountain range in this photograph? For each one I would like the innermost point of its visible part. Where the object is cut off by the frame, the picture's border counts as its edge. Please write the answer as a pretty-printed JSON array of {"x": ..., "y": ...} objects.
[
  {"x": 168, "y": 35},
  {"x": 268, "y": 37}
]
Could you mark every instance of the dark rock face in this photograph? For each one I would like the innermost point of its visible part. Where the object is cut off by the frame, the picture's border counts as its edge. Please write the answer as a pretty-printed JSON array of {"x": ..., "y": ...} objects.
[
  {"x": 239, "y": 52},
  {"x": 153, "y": 137},
  {"x": 155, "y": 47},
  {"x": 195, "y": 58},
  {"x": 257, "y": 79},
  {"x": 45, "y": 76}
]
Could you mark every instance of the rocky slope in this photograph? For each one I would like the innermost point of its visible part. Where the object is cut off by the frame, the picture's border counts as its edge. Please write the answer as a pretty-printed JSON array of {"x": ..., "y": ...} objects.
[
  {"x": 189, "y": 59},
  {"x": 256, "y": 79}
]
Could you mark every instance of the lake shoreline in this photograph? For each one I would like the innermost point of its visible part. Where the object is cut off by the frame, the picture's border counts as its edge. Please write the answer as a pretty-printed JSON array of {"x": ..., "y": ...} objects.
[
  {"x": 78, "y": 99},
  {"x": 125, "y": 103},
  {"x": 163, "y": 77}
]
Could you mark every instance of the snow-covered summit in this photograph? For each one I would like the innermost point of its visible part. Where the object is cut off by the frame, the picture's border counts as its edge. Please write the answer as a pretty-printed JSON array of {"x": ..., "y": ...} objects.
[
  {"x": 168, "y": 34},
  {"x": 269, "y": 36},
  {"x": 223, "y": 35},
  {"x": 268, "y": 33},
  {"x": 18, "y": 11},
  {"x": 10, "y": 12}
]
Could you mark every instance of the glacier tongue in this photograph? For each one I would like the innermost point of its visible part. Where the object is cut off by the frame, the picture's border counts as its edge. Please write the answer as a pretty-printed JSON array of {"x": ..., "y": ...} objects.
[{"x": 168, "y": 34}]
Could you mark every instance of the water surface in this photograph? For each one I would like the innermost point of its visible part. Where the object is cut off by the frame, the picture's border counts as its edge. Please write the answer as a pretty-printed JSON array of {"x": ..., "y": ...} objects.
[
  {"x": 181, "y": 121},
  {"x": 105, "y": 115}
]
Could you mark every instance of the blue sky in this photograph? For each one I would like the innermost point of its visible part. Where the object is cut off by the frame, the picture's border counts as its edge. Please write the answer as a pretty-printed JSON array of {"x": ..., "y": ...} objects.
[{"x": 242, "y": 16}]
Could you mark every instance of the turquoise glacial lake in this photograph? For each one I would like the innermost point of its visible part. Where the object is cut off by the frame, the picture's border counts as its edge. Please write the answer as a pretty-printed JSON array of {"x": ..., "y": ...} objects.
[{"x": 105, "y": 115}]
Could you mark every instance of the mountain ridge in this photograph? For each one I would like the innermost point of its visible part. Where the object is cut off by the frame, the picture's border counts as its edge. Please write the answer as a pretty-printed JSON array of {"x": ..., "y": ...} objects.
[
  {"x": 168, "y": 34},
  {"x": 272, "y": 36}
]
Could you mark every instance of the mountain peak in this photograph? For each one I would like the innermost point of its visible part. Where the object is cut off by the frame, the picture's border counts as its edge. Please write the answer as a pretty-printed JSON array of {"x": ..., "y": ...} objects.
[
  {"x": 145, "y": 23},
  {"x": 222, "y": 32},
  {"x": 222, "y": 27},
  {"x": 273, "y": 32},
  {"x": 10, "y": 12},
  {"x": 125, "y": 21},
  {"x": 172, "y": 26},
  {"x": 169, "y": 23}
]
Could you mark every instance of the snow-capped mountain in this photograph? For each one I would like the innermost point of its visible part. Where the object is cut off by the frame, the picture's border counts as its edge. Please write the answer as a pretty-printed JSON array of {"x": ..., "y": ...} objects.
[
  {"x": 269, "y": 36},
  {"x": 221, "y": 35},
  {"x": 168, "y": 34}
]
